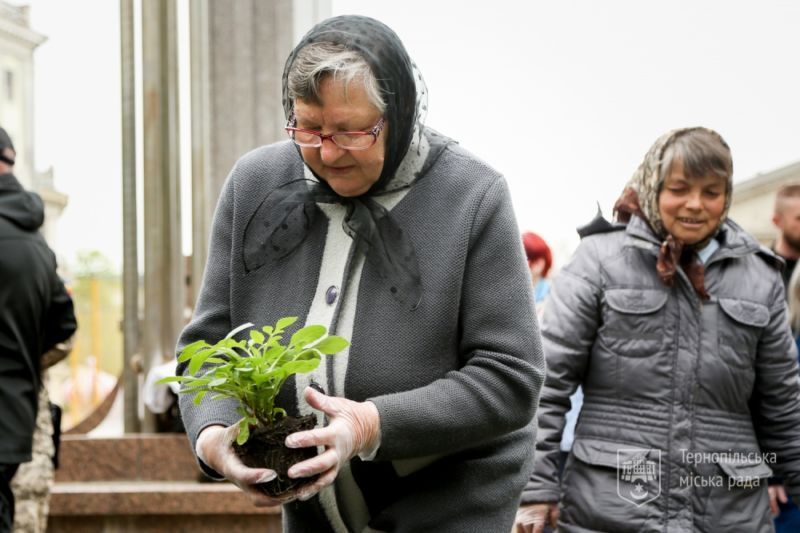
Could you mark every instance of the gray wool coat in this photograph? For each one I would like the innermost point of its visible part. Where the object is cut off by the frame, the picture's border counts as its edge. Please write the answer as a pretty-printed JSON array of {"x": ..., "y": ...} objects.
[
  {"x": 456, "y": 381},
  {"x": 689, "y": 405}
]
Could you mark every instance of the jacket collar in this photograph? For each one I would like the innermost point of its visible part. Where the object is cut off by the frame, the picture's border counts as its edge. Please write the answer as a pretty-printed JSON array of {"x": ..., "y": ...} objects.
[
  {"x": 734, "y": 242},
  {"x": 638, "y": 229}
]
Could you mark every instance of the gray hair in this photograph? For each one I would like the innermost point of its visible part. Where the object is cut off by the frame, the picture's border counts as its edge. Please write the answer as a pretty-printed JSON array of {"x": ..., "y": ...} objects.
[
  {"x": 702, "y": 153},
  {"x": 319, "y": 60}
]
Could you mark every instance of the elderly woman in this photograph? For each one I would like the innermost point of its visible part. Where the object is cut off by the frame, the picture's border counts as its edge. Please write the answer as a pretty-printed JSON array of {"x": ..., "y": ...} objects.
[
  {"x": 398, "y": 239},
  {"x": 673, "y": 320}
]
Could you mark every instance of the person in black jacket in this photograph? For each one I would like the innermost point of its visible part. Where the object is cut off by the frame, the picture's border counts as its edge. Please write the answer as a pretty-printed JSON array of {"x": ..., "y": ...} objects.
[{"x": 36, "y": 313}]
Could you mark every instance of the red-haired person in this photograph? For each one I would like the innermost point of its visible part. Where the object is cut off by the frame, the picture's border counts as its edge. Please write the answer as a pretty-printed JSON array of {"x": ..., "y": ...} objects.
[{"x": 540, "y": 259}]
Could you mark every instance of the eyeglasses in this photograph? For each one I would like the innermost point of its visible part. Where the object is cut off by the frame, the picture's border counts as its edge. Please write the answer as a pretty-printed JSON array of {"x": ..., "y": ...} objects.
[{"x": 347, "y": 140}]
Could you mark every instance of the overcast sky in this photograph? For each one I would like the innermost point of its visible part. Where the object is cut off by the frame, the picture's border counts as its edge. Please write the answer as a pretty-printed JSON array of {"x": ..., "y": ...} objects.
[{"x": 563, "y": 97}]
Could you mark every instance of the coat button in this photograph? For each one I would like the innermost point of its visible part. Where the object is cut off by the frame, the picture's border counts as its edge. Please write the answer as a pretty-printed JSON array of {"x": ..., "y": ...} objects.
[{"x": 331, "y": 294}]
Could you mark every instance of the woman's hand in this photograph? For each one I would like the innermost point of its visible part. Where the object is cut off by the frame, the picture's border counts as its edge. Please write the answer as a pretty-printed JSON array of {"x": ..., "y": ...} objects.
[
  {"x": 532, "y": 518},
  {"x": 353, "y": 428},
  {"x": 214, "y": 449},
  {"x": 776, "y": 494}
]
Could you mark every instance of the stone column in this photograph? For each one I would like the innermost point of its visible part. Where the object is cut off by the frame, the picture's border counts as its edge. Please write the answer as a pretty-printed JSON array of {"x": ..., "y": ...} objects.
[
  {"x": 130, "y": 257},
  {"x": 163, "y": 260},
  {"x": 238, "y": 51}
]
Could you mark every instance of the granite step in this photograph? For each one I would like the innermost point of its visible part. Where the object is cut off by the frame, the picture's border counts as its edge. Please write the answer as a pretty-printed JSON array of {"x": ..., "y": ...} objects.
[{"x": 146, "y": 483}]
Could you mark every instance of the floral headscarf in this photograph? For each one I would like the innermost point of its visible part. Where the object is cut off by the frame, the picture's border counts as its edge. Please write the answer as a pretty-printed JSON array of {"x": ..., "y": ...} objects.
[{"x": 640, "y": 198}]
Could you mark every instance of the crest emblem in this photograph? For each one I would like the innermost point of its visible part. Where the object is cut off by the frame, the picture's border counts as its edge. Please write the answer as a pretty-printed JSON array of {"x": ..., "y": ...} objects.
[{"x": 638, "y": 475}]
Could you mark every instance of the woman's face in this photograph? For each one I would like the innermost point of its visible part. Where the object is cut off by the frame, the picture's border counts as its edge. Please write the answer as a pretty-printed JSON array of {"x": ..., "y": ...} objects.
[
  {"x": 342, "y": 108},
  {"x": 691, "y": 209}
]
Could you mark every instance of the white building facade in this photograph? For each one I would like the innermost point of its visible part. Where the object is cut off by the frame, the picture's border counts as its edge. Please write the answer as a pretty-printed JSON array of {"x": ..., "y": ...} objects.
[
  {"x": 17, "y": 45},
  {"x": 754, "y": 201}
]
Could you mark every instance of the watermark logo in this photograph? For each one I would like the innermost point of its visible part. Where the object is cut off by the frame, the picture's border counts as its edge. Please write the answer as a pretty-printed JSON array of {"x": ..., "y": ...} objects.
[{"x": 638, "y": 475}]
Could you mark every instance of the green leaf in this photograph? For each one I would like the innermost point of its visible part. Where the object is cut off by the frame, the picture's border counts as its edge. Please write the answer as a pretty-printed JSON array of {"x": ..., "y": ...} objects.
[
  {"x": 307, "y": 335},
  {"x": 196, "y": 390},
  {"x": 221, "y": 395},
  {"x": 194, "y": 383},
  {"x": 217, "y": 382},
  {"x": 230, "y": 344},
  {"x": 274, "y": 340},
  {"x": 273, "y": 352},
  {"x": 256, "y": 336},
  {"x": 235, "y": 357},
  {"x": 308, "y": 354},
  {"x": 252, "y": 370},
  {"x": 236, "y": 330},
  {"x": 300, "y": 367},
  {"x": 244, "y": 432},
  {"x": 331, "y": 345},
  {"x": 199, "y": 397},
  {"x": 198, "y": 359},
  {"x": 172, "y": 379},
  {"x": 216, "y": 371},
  {"x": 189, "y": 350},
  {"x": 278, "y": 374},
  {"x": 284, "y": 323}
]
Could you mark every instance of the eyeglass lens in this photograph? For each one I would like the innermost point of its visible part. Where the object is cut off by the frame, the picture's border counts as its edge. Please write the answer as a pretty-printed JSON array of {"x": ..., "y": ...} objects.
[{"x": 342, "y": 140}]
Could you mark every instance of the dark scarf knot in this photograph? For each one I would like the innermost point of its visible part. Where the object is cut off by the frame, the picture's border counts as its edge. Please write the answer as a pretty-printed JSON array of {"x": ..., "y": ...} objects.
[{"x": 284, "y": 217}]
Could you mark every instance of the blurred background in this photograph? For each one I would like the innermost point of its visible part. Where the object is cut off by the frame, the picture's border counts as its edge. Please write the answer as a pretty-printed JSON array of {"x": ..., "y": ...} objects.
[
  {"x": 563, "y": 97},
  {"x": 128, "y": 115}
]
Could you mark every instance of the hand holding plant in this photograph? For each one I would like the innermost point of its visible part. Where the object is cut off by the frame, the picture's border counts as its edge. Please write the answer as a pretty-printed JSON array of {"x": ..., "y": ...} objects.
[
  {"x": 253, "y": 372},
  {"x": 215, "y": 450},
  {"x": 353, "y": 429}
]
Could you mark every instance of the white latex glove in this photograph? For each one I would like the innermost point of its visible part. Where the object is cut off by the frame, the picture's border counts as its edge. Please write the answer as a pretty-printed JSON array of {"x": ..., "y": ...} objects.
[
  {"x": 214, "y": 449},
  {"x": 353, "y": 428},
  {"x": 532, "y": 518}
]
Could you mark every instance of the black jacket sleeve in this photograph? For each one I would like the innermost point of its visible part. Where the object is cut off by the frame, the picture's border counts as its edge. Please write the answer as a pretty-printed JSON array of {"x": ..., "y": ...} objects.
[{"x": 60, "y": 323}]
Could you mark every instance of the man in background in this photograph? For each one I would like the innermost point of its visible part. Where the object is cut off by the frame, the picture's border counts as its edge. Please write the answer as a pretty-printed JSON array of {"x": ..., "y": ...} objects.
[
  {"x": 787, "y": 219},
  {"x": 36, "y": 313}
]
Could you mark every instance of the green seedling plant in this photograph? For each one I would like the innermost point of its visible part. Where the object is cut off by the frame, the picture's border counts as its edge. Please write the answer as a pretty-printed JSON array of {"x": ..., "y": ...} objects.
[{"x": 254, "y": 370}]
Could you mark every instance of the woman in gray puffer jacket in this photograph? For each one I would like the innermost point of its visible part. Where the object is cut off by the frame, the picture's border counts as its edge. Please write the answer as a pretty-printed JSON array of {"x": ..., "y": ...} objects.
[{"x": 674, "y": 322}]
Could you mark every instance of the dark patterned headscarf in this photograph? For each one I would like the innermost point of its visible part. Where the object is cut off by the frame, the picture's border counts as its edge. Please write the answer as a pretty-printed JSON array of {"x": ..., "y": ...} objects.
[
  {"x": 282, "y": 220},
  {"x": 640, "y": 198},
  {"x": 396, "y": 75}
]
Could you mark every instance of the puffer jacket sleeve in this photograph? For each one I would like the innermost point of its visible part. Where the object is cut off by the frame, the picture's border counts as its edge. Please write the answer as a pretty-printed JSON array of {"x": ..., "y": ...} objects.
[
  {"x": 776, "y": 396},
  {"x": 569, "y": 327}
]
